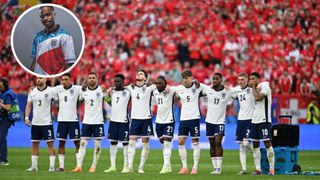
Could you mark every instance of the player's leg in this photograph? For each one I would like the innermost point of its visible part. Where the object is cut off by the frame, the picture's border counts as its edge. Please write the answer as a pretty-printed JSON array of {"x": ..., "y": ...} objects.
[
  {"x": 35, "y": 139},
  {"x": 219, "y": 152},
  {"x": 167, "y": 132},
  {"x": 160, "y": 132},
  {"x": 242, "y": 150},
  {"x": 134, "y": 133},
  {"x": 267, "y": 142},
  {"x": 146, "y": 132},
  {"x": 98, "y": 134},
  {"x": 195, "y": 134},
  {"x": 254, "y": 137},
  {"x": 74, "y": 135},
  {"x": 213, "y": 153},
  {"x": 62, "y": 133},
  {"x": 48, "y": 135},
  {"x": 182, "y": 136},
  {"x": 124, "y": 138},
  {"x": 113, "y": 138},
  {"x": 86, "y": 133}
]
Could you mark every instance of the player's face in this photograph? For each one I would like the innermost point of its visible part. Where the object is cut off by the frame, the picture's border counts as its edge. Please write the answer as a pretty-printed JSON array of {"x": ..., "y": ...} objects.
[
  {"x": 92, "y": 80},
  {"x": 41, "y": 81},
  {"x": 187, "y": 81},
  {"x": 118, "y": 83},
  {"x": 161, "y": 85},
  {"x": 254, "y": 80},
  {"x": 66, "y": 81},
  {"x": 243, "y": 81},
  {"x": 140, "y": 76},
  {"x": 216, "y": 80},
  {"x": 47, "y": 17}
]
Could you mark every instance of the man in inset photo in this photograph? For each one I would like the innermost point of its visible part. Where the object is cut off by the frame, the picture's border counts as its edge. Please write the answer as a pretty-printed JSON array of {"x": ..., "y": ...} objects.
[{"x": 52, "y": 48}]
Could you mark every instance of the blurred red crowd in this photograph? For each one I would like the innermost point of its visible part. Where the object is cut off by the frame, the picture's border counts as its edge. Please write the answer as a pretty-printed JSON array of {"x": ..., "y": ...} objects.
[{"x": 278, "y": 38}]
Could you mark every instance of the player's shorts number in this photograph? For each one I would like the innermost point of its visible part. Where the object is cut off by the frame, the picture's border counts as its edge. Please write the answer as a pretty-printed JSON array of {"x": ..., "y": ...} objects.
[
  {"x": 169, "y": 129},
  {"x": 76, "y": 132},
  {"x": 265, "y": 132},
  {"x": 101, "y": 130},
  {"x": 126, "y": 133},
  {"x": 49, "y": 133},
  {"x": 221, "y": 127},
  {"x": 149, "y": 129},
  {"x": 196, "y": 130}
]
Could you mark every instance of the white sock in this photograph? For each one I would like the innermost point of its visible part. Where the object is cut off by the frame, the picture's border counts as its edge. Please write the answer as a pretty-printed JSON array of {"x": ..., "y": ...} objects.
[
  {"x": 82, "y": 151},
  {"x": 34, "y": 161},
  {"x": 196, "y": 155},
  {"x": 96, "y": 153},
  {"x": 113, "y": 155},
  {"x": 125, "y": 156},
  {"x": 77, "y": 158},
  {"x": 270, "y": 156},
  {"x": 183, "y": 155},
  {"x": 61, "y": 160},
  {"x": 167, "y": 153},
  {"x": 219, "y": 163},
  {"x": 214, "y": 162},
  {"x": 131, "y": 152},
  {"x": 257, "y": 158},
  {"x": 243, "y": 157},
  {"x": 52, "y": 160},
  {"x": 144, "y": 155}
]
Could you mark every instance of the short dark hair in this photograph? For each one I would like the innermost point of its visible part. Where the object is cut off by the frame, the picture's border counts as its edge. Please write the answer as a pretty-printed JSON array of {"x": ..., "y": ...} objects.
[
  {"x": 243, "y": 74},
  {"x": 93, "y": 73},
  {"x": 67, "y": 74},
  {"x": 5, "y": 83},
  {"x": 218, "y": 74},
  {"x": 256, "y": 74},
  {"x": 163, "y": 79},
  {"x": 121, "y": 76},
  {"x": 51, "y": 7},
  {"x": 186, "y": 73},
  {"x": 144, "y": 72}
]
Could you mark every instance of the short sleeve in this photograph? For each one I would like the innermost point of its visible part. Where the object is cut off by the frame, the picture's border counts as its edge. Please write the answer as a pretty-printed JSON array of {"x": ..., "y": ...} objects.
[
  {"x": 34, "y": 48},
  {"x": 68, "y": 49},
  {"x": 264, "y": 89},
  {"x": 8, "y": 100}
]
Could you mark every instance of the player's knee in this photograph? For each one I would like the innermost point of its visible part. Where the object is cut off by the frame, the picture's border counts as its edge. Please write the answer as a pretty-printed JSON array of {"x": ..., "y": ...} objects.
[
  {"x": 181, "y": 142},
  {"x": 97, "y": 144},
  {"x": 83, "y": 143}
]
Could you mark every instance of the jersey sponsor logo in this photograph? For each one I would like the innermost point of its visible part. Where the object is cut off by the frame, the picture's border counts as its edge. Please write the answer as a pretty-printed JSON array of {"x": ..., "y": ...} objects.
[
  {"x": 143, "y": 89},
  {"x": 46, "y": 95},
  {"x": 248, "y": 91},
  {"x": 223, "y": 95},
  {"x": 71, "y": 91},
  {"x": 54, "y": 43},
  {"x": 98, "y": 94},
  {"x": 193, "y": 91},
  {"x": 124, "y": 93}
]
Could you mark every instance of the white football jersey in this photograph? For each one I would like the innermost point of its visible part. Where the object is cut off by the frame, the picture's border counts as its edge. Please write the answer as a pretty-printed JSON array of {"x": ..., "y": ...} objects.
[
  {"x": 217, "y": 104},
  {"x": 119, "y": 105},
  {"x": 141, "y": 101},
  {"x": 262, "y": 108},
  {"x": 41, "y": 103},
  {"x": 246, "y": 101},
  {"x": 189, "y": 98},
  {"x": 165, "y": 103},
  {"x": 68, "y": 99},
  {"x": 93, "y": 104}
]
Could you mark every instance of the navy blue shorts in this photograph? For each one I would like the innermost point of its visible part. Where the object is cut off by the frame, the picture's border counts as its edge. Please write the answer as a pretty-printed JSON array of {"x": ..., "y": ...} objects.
[
  {"x": 39, "y": 133},
  {"x": 118, "y": 131},
  {"x": 243, "y": 130},
  {"x": 260, "y": 132},
  {"x": 165, "y": 130},
  {"x": 192, "y": 126},
  {"x": 214, "y": 129},
  {"x": 95, "y": 131},
  {"x": 71, "y": 128},
  {"x": 141, "y": 128}
]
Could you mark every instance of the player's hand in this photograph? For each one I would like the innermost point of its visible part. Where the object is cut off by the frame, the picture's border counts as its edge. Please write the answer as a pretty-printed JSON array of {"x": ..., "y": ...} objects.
[
  {"x": 133, "y": 85},
  {"x": 104, "y": 88},
  {"x": 84, "y": 87},
  {"x": 167, "y": 90},
  {"x": 27, "y": 121},
  {"x": 196, "y": 83},
  {"x": 251, "y": 84},
  {"x": 30, "y": 89},
  {"x": 109, "y": 90}
]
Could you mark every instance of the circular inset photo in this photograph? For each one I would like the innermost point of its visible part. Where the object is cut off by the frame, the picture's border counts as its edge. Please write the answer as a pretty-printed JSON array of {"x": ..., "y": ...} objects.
[{"x": 47, "y": 40}]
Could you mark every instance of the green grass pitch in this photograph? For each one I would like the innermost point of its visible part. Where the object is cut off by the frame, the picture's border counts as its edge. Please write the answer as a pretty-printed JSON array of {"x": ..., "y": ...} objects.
[{"x": 20, "y": 160}]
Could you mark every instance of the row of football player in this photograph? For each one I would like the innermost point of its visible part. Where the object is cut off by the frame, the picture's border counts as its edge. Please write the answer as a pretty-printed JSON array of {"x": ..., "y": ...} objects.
[{"x": 254, "y": 119}]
